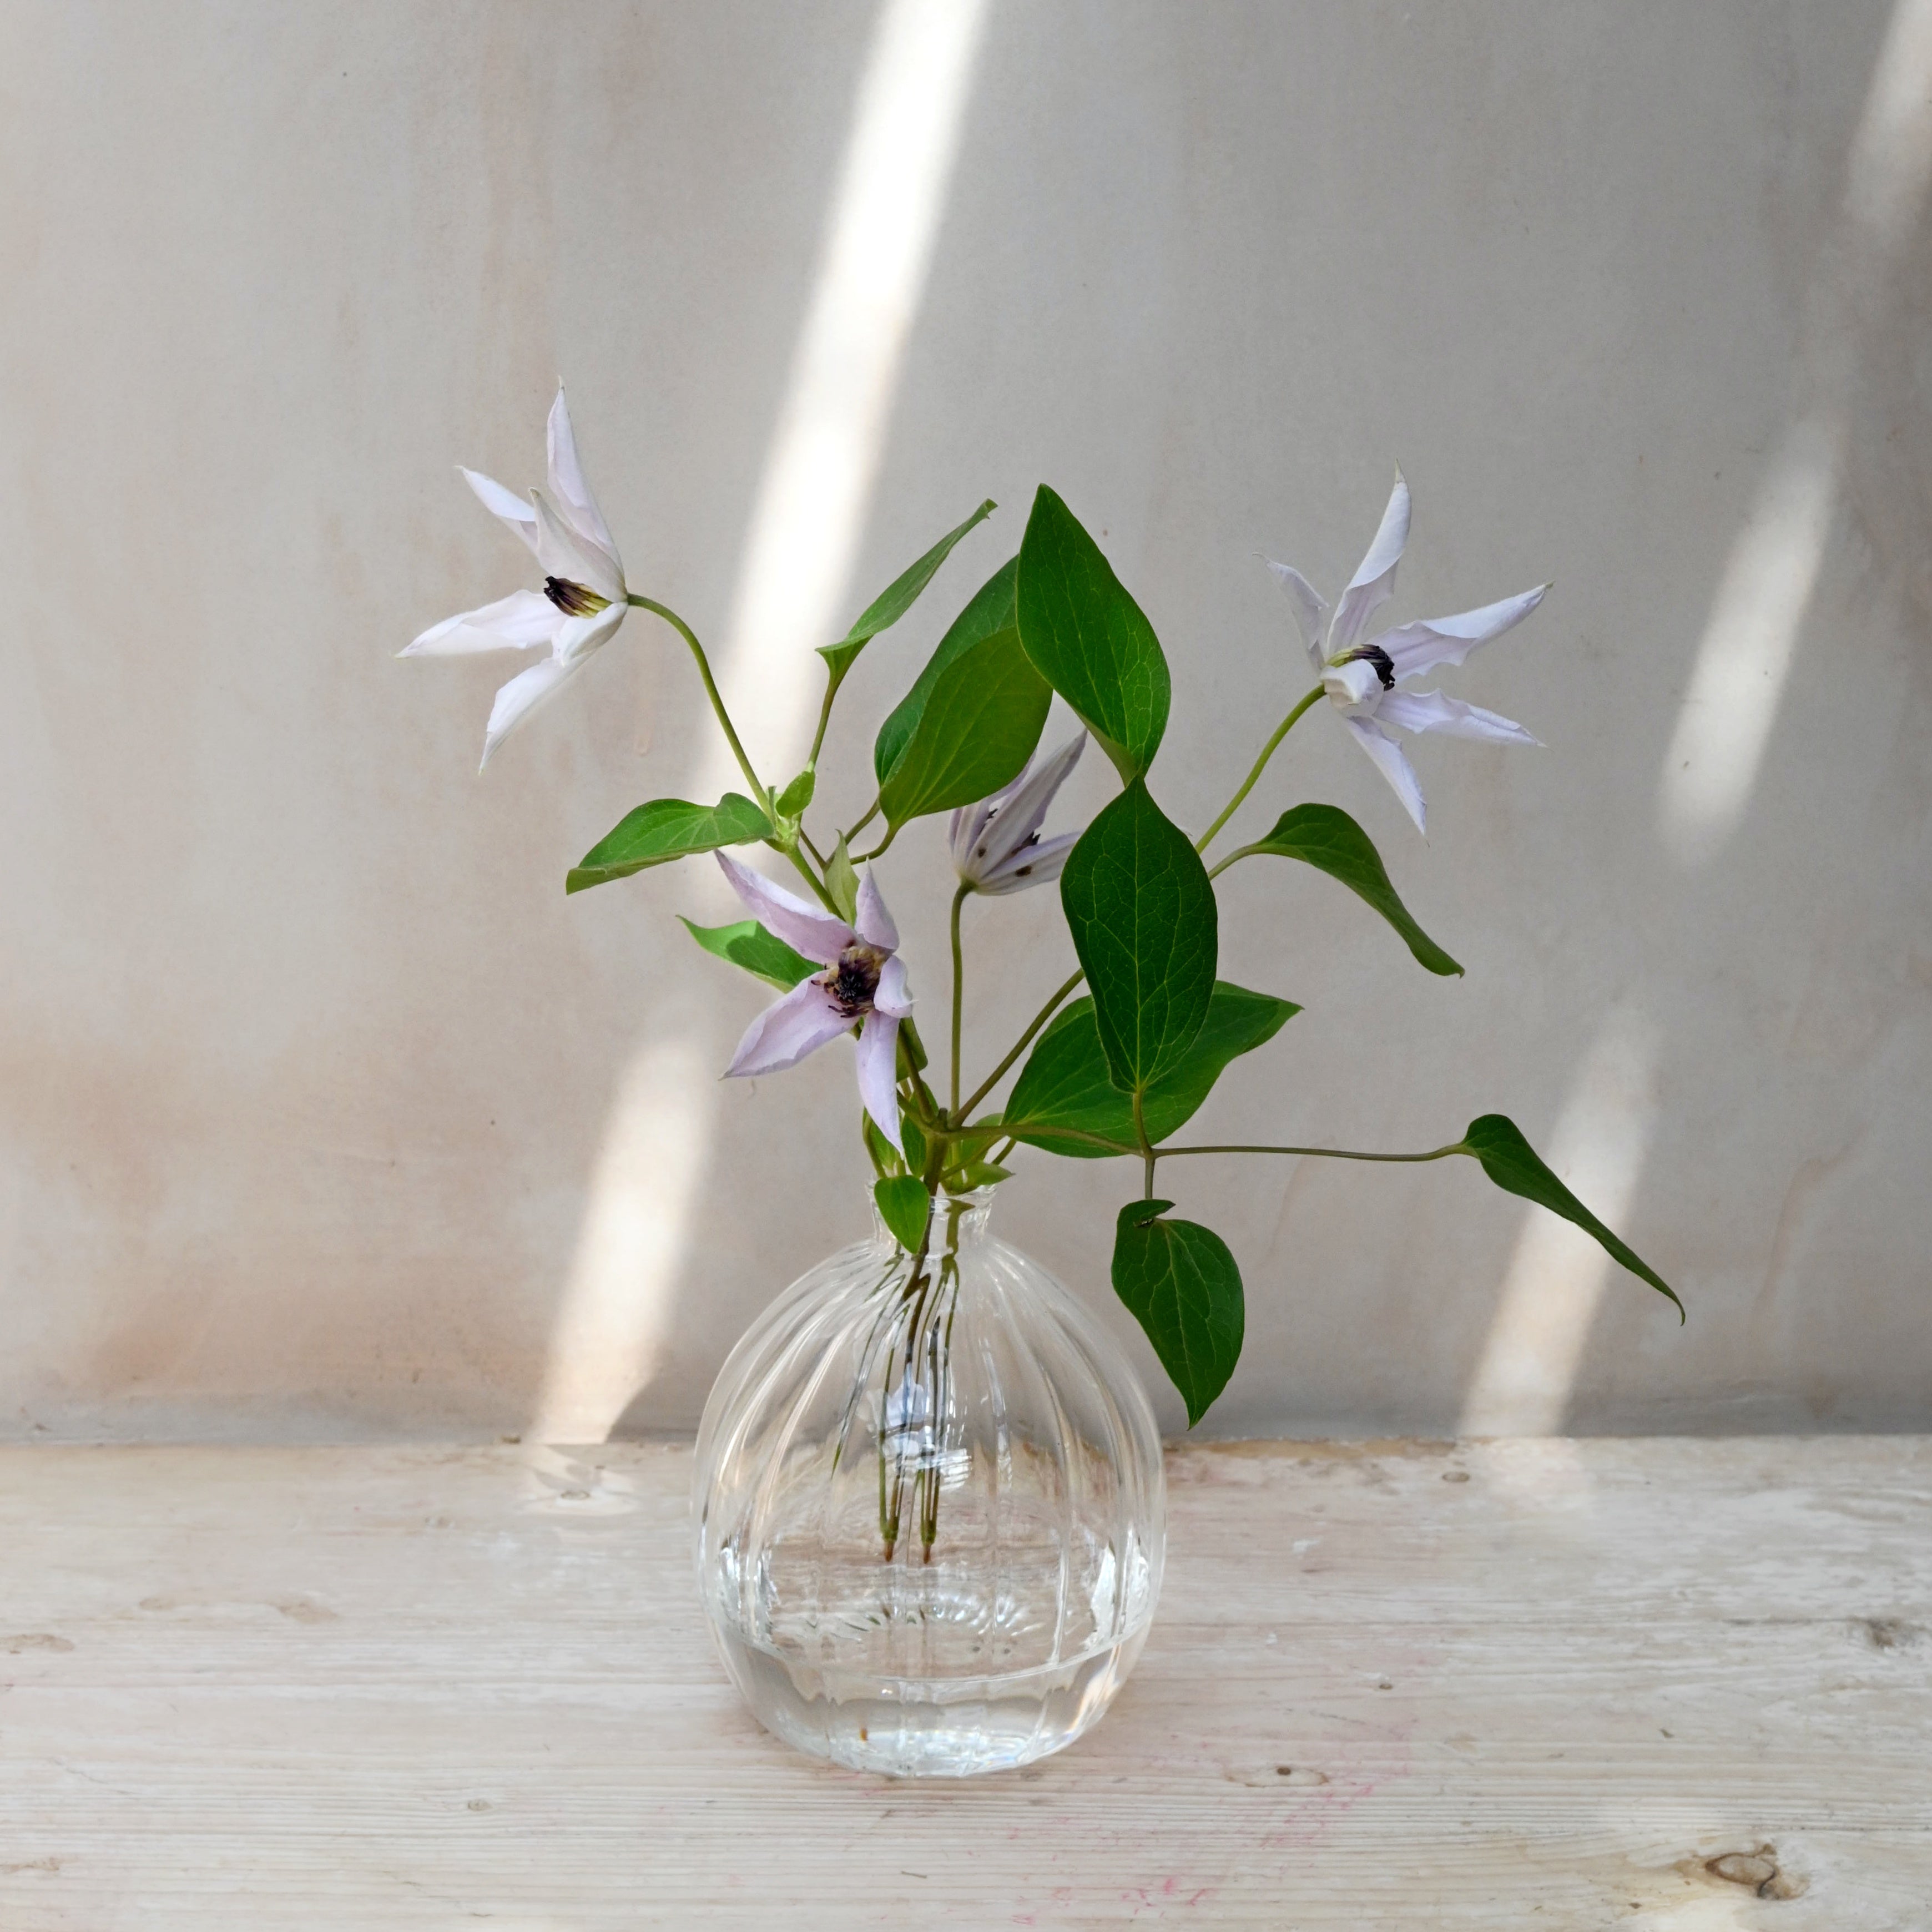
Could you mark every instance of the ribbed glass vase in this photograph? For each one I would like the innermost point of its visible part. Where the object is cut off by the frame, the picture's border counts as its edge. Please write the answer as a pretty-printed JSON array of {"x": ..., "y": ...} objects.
[{"x": 929, "y": 1507}]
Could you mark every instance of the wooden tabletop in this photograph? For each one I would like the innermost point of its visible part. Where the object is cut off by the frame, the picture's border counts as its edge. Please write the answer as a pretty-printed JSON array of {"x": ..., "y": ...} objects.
[{"x": 1682, "y": 1685}]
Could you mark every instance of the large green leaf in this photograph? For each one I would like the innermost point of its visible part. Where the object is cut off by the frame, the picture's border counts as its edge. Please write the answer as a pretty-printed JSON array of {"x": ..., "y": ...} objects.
[
  {"x": 1180, "y": 1284},
  {"x": 976, "y": 732},
  {"x": 896, "y": 599},
  {"x": 747, "y": 944},
  {"x": 1514, "y": 1165},
  {"x": 665, "y": 830},
  {"x": 1325, "y": 837},
  {"x": 1142, "y": 915},
  {"x": 904, "y": 1206},
  {"x": 990, "y": 610},
  {"x": 1065, "y": 1083},
  {"x": 1089, "y": 638}
]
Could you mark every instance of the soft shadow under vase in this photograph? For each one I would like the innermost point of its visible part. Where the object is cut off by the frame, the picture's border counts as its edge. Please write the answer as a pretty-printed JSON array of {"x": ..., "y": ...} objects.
[{"x": 929, "y": 1507}]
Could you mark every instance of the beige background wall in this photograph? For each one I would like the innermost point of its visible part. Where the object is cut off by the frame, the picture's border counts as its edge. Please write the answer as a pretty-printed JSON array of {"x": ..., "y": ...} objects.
[{"x": 322, "y": 1113}]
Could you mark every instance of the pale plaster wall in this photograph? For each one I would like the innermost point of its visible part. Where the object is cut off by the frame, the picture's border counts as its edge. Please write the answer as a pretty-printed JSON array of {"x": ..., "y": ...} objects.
[{"x": 323, "y": 1112}]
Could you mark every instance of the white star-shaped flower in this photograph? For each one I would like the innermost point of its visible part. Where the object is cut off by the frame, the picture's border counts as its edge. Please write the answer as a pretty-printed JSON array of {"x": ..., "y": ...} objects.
[{"x": 1363, "y": 681}]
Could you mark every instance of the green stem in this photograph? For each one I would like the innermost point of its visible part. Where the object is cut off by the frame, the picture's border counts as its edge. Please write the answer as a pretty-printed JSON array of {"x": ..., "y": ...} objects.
[
  {"x": 812, "y": 880},
  {"x": 1019, "y": 1046},
  {"x": 1169, "y": 1153},
  {"x": 866, "y": 858},
  {"x": 1146, "y": 1148},
  {"x": 1233, "y": 805},
  {"x": 832, "y": 681},
  {"x": 852, "y": 832},
  {"x": 690, "y": 637},
  {"x": 958, "y": 987}
]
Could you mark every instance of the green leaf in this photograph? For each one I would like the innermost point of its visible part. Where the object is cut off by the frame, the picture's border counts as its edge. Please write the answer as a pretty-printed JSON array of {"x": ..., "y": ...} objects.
[
  {"x": 912, "y": 1140},
  {"x": 747, "y": 944},
  {"x": 976, "y": 1173},
  {"x": 978, "y": 729},
  {"x": 665, "y": 830},
  {"x": 904, "y": 1206},
  {"x": 1180, "y": 1284},
  {"x": 1515, "y": 1166},
  {"x": 1142, "y": 915},
  {"x": 797, "y": 795},
  {"x": 885, "y": 1159},
  {"x": 896, "y": 599},
  {"x": 1065, "y": 1082},
  {"x": 1089, "y": 638},
  {"x": 991, "y": 609},
  {"x": 842, "y": 881},
  {"x": 1325, "y": 837}
]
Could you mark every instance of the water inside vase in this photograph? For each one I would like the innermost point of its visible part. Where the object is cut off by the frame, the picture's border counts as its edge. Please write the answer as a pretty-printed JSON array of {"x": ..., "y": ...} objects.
[{"x": 930, "y": 1529}]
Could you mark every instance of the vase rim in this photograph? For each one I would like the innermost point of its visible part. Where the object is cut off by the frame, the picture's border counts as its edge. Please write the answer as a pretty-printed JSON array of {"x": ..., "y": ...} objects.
[{"x": 972, "y": 1208}]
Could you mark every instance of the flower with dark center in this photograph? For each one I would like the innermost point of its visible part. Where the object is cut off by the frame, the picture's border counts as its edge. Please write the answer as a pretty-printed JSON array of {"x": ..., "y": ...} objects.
[
  {"x": 578, "y": 609},
  {"x": 1361, "y": 679},
  {"x": 864, "y": 985}
]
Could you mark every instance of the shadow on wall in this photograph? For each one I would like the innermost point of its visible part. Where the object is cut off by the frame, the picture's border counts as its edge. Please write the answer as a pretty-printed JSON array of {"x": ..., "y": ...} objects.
[{"x": 1856, "y": 453}]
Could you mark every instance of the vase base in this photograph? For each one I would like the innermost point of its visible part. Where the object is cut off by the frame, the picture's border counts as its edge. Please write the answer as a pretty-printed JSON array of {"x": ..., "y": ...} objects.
[{"x": 898, "y": 1727}]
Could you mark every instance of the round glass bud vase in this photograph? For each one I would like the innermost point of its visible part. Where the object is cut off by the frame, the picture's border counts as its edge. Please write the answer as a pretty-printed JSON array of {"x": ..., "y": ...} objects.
[{"x": 929, "y": 1507}]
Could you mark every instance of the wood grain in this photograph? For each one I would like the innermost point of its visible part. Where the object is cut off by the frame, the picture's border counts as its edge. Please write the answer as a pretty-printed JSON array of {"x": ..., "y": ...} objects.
[{"x": 1657, "y": 1685}]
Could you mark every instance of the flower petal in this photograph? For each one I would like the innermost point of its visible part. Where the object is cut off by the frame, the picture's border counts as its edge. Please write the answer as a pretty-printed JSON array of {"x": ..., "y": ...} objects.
[
  {"x": 874, "y": 923},
  {"x": 1387, "y": 756},
  {"x": 1020, "y": 818},
  {"x": 571, "y": 491},
  {"x": 514, "y": 510},
  {"x": 1369, "y": 587},
  {"x": 787, "y": 1030},
  {"x": 969, "y": 823},
  {"x": 577, "y": 638},
  {"x": 816, "y": 934},
  {"x": 517, "y": 622},
  {"x": 878, "y": 1072},
  {"x": 521, "y": 696},
  {"x": 1355, "y": 686},
  {"x": 1032, "y": 865},
  {"x": 562, "y": 553},
  {"x": 1311, "y": 608},
  {"x": 892, "y": 997},
  {"x": 1432, "y": 711},
  {"x": 1416, "y": 648}
]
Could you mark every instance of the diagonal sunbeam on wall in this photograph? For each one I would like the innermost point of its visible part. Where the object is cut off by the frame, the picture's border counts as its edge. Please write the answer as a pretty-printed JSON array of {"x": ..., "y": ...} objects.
[
  {"x": 1751, "y": 638},
  {"x": 816, "y": 489},
  {"x": 810, "y": 513}
]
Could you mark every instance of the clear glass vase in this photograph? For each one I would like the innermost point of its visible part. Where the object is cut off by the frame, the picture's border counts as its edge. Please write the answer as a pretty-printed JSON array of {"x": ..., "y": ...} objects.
[{"x": 929, "y": 1507}]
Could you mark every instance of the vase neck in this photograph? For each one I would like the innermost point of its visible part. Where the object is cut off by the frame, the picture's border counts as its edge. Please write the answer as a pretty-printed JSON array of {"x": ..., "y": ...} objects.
[{"x": 957, "y": 1221}]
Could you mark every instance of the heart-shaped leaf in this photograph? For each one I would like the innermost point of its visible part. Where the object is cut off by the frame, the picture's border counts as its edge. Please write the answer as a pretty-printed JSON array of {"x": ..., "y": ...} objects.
[
  {"x": 904, "y": 1206},
  {"x": 990, "y": 609},
  {"x": 1090, "y": 639},
  {"x": 1065, "y": 1083},
  {"x": 1142, "y": 915},
  {"x": 747, "y": 944},
  {"x": 896, "y": 599},
  {"x": 665, "y": 830},
  {"x": 1180, "y": 1284},
  {"x": 1515, "y": 1166},
  {"x": 1325, "y": 837},
  {"x": 978, "y": 728}
]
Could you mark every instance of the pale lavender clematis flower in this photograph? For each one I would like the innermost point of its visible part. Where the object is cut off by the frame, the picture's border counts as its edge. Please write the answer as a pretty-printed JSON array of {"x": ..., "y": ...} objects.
[
  {"x": 1361, "y": 679},
  {"x": 997, "y": 847},
  {"x": 578, "y": 609},
  {"x": 864, "y": 985}
]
